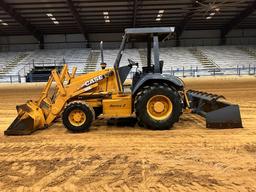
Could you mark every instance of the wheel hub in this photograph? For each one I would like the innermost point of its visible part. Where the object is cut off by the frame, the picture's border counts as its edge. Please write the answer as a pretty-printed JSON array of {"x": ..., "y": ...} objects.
[
  {"x": 158, "y": 107},
  {"x": 77, "y": 117}
]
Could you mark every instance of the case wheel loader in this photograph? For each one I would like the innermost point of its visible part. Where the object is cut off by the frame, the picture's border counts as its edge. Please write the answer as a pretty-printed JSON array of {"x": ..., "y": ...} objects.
[{"x": 155, "y": 98}]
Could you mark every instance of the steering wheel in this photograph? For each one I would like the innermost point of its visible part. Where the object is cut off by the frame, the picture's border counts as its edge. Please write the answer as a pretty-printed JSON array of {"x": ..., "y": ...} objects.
[{"x": 132, "y": 63}]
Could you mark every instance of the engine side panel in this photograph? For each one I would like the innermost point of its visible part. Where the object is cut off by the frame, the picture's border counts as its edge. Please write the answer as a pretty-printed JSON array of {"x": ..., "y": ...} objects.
[{"x": 118, "y": 106}]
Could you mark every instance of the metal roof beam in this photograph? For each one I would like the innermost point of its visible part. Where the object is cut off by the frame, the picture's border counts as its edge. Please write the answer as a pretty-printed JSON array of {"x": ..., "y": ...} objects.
[
  {"x": 180, "y": 28},
  {"x": 18, "y": 18},
  {"x": 77, "y": 18},
  {"x": 135, "y": 6},
  {"x": 236, "y": 20}
]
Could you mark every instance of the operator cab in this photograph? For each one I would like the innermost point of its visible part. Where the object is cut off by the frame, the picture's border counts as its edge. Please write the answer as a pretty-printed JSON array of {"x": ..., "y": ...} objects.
[{"x": 151, "y": 36}]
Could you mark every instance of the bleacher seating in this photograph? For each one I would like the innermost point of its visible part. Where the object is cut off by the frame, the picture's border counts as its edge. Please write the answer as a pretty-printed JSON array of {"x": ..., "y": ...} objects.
[
  {"x": 177, "y": 58},
  {"x": 7, "y": 57},
  {"x": 229, "y": 56},
  {"x": 251, "y": 50},
  {"x": 110, "y": 57},
  {"x": 73, "y": 57},
  {"x": 174, "y": 58}
]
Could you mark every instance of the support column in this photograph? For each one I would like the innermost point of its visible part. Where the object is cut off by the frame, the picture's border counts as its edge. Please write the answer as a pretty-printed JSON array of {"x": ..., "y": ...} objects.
[
  {"x": 41, "y": 45},
  {"x": 149, "y": 52}
]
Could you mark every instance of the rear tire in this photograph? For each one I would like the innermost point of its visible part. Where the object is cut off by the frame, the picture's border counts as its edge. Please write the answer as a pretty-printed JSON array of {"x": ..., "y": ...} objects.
[
  {"x": 78, "y": 117},
  {"x": 158, "y": 106}
]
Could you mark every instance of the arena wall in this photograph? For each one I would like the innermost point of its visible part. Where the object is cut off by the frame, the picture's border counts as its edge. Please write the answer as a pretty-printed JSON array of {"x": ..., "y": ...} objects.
[{"x": 112, "y": 40}]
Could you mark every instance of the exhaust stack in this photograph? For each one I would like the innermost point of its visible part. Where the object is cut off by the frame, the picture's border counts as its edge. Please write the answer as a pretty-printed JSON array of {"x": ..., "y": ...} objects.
[{"x": 102, "y": 64}]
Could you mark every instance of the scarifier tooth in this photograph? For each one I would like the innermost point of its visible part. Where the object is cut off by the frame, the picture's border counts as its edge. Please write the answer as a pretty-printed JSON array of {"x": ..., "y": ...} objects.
[{"x": 218, "y": 114}]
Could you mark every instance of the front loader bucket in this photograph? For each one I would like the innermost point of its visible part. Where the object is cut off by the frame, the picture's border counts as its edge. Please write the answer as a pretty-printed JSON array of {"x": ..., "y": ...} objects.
[
  {"x": 22, "y": 125},
  {"x": 217, "y": 112},
  {"x": 30, "y": 118}
]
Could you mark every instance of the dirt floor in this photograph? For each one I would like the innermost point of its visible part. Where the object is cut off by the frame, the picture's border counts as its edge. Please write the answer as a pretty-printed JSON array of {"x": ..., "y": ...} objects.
[{"x": 188, "y": 157}]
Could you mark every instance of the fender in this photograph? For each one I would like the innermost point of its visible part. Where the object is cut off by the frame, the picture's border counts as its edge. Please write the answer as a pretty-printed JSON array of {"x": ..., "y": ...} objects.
[{"x": 157, "y": 77}]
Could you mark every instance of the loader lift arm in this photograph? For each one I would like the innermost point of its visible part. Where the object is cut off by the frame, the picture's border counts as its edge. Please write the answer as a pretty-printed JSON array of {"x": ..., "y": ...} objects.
[{"x": 33, "y": 115}]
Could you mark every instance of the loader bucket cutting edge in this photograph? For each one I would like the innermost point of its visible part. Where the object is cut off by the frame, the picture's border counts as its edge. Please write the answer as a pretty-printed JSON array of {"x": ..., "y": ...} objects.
[
  {"x": 21, "y": 126},
  {"x": 27, "y": 121},
  {"x": 218, "y": 113}
]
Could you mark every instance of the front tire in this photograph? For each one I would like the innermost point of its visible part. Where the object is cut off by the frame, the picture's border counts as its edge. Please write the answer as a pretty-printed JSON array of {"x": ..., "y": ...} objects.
[
  {"x": 78, "y": 117},
  {"x": 158, "y": 106}
]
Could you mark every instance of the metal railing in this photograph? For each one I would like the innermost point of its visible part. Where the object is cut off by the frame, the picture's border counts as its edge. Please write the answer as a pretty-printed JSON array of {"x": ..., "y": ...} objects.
[
  {"x": 180, "y": 72},
  {"x": 31, "y": 65},
  {"x": 198, "y": 72}
]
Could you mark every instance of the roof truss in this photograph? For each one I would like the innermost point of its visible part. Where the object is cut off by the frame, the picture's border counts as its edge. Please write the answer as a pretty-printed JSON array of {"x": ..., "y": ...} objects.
[
  {"x": 77, "y": 18},
  {"x": 18, "y": 18},
  {"x": 238, "y": 19}
]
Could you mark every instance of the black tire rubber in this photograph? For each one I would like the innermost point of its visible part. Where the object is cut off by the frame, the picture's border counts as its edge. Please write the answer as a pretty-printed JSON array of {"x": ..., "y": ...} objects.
[
  {"x": 86, "y": 109},
  {"x": 142, "y": 98},
  {"x": 140, "y": 124}
]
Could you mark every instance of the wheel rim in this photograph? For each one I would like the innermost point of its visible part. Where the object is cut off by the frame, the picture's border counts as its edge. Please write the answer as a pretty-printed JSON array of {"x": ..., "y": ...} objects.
[
  {"x": 77, "y": 117},
  {"x": 159, "y": 107}
]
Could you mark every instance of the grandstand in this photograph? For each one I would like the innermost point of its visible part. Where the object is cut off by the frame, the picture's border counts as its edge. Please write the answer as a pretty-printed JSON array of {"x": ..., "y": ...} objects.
[
  {"x": 224, "y": 59},
  {"x": 213, "y": 41}
]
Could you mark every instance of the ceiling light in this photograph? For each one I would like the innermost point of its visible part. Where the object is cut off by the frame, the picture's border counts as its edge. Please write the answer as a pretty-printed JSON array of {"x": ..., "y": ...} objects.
[
  {"x": 5, "y": 24},
  {"x": 53, "y": 18},
  {"x": 209, "y": 17},
  {"x": 217, "y": 9},
  {"x": 212, "y": 14},
  {"x": 56, "y": 22},
  {"x": 1, "y": 20},
  {"x": 159, "y": 15},
  {"x": 106, "y": 17},
  {"x": 49, "y": 15}
]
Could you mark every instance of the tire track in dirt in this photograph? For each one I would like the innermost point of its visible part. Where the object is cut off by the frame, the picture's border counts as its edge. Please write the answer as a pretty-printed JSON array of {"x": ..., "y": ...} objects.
[{"x": 187, "y": 158}]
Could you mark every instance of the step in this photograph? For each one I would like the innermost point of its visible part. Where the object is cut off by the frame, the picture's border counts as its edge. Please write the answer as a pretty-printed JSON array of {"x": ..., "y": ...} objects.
[
  {"x": 210, "y": 65},
  {"x": 217, "y": 73},
  {"x": 206, "y": 63},
  {"x": 216, "y": 70}
]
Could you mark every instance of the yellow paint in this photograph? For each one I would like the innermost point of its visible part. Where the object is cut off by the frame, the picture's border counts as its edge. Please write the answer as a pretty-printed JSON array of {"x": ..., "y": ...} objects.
[
  {"x": 103, "y": 93},
  {"x": 159, "y": 107},
  {"x": 118, "y": 106},
  {"x": 77, "y": 117}
]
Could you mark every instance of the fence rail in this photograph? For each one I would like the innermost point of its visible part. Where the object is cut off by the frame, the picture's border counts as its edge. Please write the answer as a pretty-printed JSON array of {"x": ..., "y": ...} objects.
[
  {"x": 29, "y": 66},
  {"x": 180, "y": 72},
  {"x": 197, "y": 72}
]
